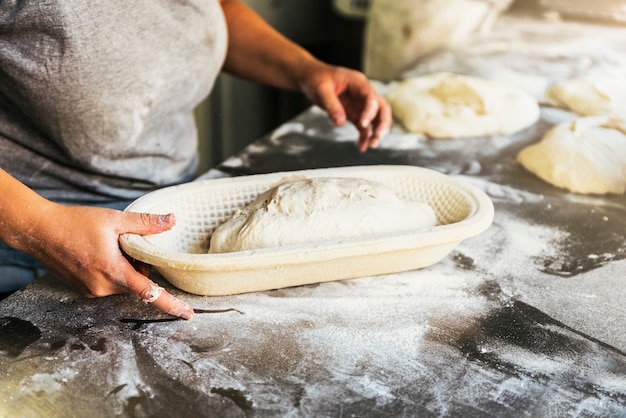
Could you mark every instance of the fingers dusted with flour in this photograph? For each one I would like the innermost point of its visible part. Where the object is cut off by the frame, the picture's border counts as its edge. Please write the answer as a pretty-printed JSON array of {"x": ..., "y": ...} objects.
[
  {"x": 137, "y": 281},
  {"x": 79, "y": 245},
  {"x": 149, "y": 292}
]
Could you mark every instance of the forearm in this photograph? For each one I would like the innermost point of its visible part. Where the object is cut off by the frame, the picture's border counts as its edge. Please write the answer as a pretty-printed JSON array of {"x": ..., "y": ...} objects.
[
  {"x": 258, "y": 52},
  {"x": 20, "y": 211}
]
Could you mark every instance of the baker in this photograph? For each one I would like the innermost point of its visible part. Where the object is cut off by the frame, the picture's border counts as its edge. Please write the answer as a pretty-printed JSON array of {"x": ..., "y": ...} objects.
[{"x": 96, "y": 109}]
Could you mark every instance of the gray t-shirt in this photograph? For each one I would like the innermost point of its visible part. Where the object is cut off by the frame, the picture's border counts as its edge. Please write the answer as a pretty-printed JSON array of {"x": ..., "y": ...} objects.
[{"x": 97, "y": 97}]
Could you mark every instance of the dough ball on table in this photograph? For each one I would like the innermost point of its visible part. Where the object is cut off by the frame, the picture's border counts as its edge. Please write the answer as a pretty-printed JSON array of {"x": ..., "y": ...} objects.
[
  {"x": 586, "y": 155},
  {"x": 319, "y": 209},
  {"x": 446, "y": 105},
  {"x": 590, "y": 96}
]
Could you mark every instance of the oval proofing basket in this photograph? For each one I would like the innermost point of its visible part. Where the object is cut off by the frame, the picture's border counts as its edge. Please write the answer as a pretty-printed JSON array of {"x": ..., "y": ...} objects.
[{"x": 180, "y": 254}]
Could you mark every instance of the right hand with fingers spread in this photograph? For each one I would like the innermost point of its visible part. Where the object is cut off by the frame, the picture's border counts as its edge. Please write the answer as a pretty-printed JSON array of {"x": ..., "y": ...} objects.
[{"x": 80, "y": 246}]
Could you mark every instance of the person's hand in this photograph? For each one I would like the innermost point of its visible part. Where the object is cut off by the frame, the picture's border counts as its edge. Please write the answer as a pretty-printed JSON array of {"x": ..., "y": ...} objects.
[
  {"x": 347, "y": 94},
  {"x": 80, "y": 246},
  {"x": 258, "y": 52}
]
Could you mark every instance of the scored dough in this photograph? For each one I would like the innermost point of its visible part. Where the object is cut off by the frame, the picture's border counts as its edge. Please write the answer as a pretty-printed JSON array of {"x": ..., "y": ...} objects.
[
  {"x": 319, "y": 209},
  {"x": 447, "y": 105},
  {"x": 590, "y": 95},
  {"x": 586, "y": 155}
]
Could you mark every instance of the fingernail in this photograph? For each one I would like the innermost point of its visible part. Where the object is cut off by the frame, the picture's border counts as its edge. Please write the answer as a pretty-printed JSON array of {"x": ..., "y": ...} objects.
[
  {"x": 182, "y": 310},
  {"x": 167, "y": 218},
  {"x": 338, "y": 118},
  {"x": 187, "y": 313}
]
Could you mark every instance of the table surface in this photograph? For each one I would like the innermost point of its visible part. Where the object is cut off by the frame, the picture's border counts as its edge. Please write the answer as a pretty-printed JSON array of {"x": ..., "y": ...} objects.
[{"x": 526, "y": 319}]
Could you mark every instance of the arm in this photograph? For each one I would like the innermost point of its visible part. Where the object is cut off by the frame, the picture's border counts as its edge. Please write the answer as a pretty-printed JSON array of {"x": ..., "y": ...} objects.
[
  {"x": 258, "y": 52},
  {"x": 79, "y": 244}
]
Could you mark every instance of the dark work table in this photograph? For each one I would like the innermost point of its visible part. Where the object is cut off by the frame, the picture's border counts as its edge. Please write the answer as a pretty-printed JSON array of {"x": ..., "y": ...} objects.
[{"x": 525, "y": 319}]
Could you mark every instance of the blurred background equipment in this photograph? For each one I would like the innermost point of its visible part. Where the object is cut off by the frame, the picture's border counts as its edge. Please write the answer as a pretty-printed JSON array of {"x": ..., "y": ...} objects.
[
  {"x": 399, "y": 32},
  {"x": 352, "y": 8},
  {"x": 597, "y": 10}
]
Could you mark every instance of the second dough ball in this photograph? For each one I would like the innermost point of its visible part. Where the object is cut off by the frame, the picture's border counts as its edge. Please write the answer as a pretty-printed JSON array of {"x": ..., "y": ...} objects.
[
  {"x": 447, "y": 105},
  {"x": 590, "y": 95},
  {"x": 586, "y": 155}
]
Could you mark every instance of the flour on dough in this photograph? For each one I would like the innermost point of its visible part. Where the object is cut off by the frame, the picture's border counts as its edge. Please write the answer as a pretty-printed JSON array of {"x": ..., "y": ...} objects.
[
  {"x": 590, "y": 95},
  {"x": 319, "y": 209},
  {"x": 586, "y": 155},
  {"x": 447, "y": 105}
]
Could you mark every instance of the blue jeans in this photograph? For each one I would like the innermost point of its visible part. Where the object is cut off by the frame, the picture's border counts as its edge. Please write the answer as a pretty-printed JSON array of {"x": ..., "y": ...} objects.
[{"x": 18, "y": 269}]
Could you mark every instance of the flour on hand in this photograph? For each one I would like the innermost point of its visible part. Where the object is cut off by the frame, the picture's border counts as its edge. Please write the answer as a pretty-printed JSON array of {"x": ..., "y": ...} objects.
[
  {"x": 586, "y": 155},
  {"x": 447, "y": 105},
  {"x": 320, "y": 209}
]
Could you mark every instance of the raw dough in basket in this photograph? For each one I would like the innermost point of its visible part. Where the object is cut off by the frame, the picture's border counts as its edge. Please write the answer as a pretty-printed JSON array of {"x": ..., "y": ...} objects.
[
  {"x": 586, "y": 155},
  {"x": 590, "y": 95},
  {"x": 319, "y": 209},
  {"x": 447, "y": 105}
]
